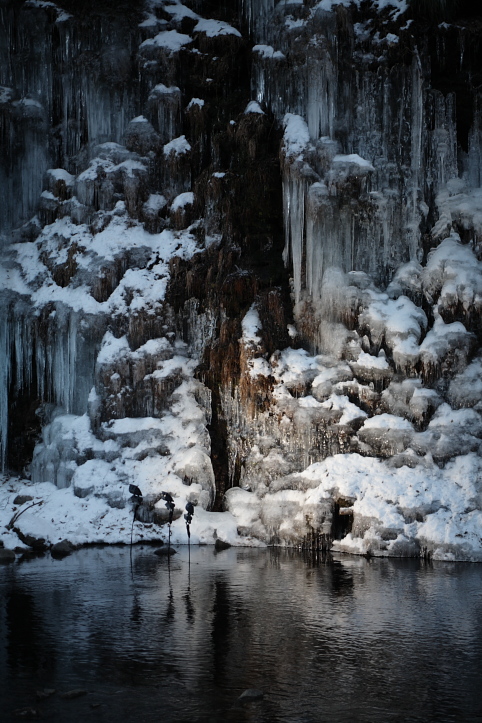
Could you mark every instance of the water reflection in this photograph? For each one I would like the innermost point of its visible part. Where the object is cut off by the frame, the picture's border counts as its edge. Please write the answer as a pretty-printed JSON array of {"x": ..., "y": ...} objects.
[
  {"x": 325, "y": 639},
  {"x": 28, "y": 648}
]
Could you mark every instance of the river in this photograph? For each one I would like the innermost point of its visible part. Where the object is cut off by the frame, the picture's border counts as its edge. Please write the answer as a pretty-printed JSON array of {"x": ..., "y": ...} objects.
[{"x": 333, "y": 639}]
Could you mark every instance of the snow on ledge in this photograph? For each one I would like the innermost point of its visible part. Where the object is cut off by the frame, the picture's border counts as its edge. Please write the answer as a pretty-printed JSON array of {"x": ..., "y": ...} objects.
[
  {"x": 214, "y": 28},
  {"x": 170, "y": 40},
  {"x": 296, "y": 136},
  {"x": 267, "y": 51},
  {"x": 353, "y": 159},
  {"x": 184, "y": 199},
  {"x": 251, "y": 325},
  {"x": 178, "y": 146},
  {"x": 254, "y": 107}
]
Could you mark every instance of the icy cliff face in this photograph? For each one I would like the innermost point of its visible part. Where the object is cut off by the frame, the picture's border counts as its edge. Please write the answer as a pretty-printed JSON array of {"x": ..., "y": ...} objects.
[{"x": 254, "y": 274}]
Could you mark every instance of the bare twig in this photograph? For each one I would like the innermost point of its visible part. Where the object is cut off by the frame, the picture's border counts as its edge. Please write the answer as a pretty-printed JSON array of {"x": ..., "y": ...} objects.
[{"x": 17, "y": 514}]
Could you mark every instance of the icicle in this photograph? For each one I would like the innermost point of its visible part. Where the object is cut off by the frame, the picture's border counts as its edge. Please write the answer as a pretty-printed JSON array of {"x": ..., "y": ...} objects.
[
  {"x": 294, "y": 189},
  {"x": 4, "y": 383}
]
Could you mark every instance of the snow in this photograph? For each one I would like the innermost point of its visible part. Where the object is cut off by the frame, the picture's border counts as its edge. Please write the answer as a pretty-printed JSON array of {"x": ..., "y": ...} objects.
[
  {"x": 296, "y": 134},
  {"x": 388, "y": 421},
  {"x": 179, "y": 11},
  {"x": 195, "y": 101},
  {"x": 251, "y": 325},
  {"x": 431, "y": 505},
  {"x": 130, "y": 426},
  {"x": 254, "y": 107},
  {"x": 214, "y": 28},
  {"x": 61, "y": 174},
  {"x": 184, "y": 199},
  {"x": 169, "y": 40},
  {"x": 350, "y": 412},
  {"x": 267, "y": 51},
  {"x": 368, "y": 361},
  {"x": 399, "y": 6},
  {"x": 155, "y": 203},
  {"x": 161, "y": 89},
  {"x": 112, "y": 348},
  {"x": 353, "y": 159},
  {"x": 178, "y": 146}
]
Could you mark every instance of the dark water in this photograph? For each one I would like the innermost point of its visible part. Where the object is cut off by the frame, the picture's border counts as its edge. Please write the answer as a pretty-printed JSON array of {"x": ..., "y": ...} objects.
[{"x": 347, "y": 639}]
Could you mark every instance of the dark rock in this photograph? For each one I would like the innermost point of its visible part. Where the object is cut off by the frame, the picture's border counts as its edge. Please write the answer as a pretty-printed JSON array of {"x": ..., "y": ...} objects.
[
  {"x": 160, "y": 515},
  {"x": 82, "y": 491},
  {"x": 250, "y": 696},
  {"x": 25, "y": 713},
  {"x": 36, "y": 543},
  {"x": 221, "y": 545},
  {"x": 71, "y": 694},
  {"x": 22, "y": 499},
  {"x": 1, "y": 544},
  {"x": 6, "y": 556},
  {"x": 61, "y": 549},
  {"x": 165, "y": 550},
  {"x": 45, "y": 693}
]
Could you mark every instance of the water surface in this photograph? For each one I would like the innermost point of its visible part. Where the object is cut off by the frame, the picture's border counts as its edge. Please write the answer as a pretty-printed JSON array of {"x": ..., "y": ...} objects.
[{"x": 344, "y": 639}]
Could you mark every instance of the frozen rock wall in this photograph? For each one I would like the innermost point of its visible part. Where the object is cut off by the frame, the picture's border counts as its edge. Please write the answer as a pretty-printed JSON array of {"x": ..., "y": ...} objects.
[{"x": 242, "y": 265}]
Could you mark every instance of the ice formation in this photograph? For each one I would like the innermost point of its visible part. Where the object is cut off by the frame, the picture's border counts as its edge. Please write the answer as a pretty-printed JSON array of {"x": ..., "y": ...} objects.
[{"x": 242, "y": 263}]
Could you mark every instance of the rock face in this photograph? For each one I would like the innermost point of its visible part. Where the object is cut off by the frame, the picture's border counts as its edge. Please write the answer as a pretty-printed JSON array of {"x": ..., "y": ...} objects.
[{"x": 242, "y": 265}]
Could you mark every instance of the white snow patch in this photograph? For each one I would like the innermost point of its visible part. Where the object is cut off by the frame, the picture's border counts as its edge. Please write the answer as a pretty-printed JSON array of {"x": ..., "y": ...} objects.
[
  {"x": 184, "y": 199},
  {"x": 170, "y": 40},
  {"x": 214, "y": 28},
  {"x": 296, "y": 135},
  {"x": 178, "y": 146}
]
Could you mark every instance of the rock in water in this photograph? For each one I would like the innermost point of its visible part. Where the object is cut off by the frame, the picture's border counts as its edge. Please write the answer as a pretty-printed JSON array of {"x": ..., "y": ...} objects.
[
  {"x": 221, "y": 545},
  {"x": 251, "y": 695},
  {"x": 6, "y": 556},
  {"x": 61, "y": 549},
  {"x": 165, "y": 551}
]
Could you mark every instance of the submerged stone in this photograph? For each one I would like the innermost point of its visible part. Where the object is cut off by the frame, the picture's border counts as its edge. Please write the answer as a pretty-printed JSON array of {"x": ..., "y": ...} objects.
[
  {"x": 6, "y": 556},
  {"x": 221, "y": 545},
  {"x": 164, "y": 551},
  {"x": 251, "y": 695},
  {"x": 61, "y": 549}
]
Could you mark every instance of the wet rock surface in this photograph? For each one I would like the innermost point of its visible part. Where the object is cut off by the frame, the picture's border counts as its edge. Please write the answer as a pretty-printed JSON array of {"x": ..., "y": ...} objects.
[{"x": 61, "y": 549}]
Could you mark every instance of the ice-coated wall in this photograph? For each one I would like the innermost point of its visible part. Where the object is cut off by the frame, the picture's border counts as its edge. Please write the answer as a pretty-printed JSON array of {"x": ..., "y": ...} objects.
[
  {"x": 65, "y": 88},
  {"x": 379, "y": 140},
  {"x": 242, "y": 264}
]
